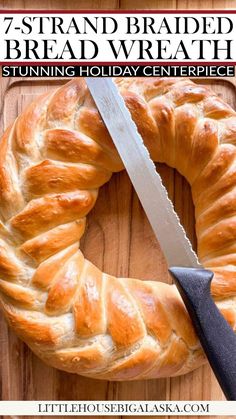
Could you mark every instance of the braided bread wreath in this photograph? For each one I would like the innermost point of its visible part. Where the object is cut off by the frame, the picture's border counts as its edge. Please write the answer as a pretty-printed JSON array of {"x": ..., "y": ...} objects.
[{"x": 53, "y": 159}]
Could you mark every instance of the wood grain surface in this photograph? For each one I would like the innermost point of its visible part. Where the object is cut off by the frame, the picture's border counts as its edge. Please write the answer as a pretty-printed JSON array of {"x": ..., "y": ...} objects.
[{"x": 118, "y": 240}]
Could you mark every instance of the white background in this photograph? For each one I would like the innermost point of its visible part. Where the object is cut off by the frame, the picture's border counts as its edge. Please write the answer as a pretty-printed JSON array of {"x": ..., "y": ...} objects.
[{"x": 57, "y": 41}]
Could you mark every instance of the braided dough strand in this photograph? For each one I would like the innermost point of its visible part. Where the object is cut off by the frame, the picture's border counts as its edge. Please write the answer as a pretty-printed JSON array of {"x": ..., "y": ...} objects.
[{"x": 53, "y": 160}]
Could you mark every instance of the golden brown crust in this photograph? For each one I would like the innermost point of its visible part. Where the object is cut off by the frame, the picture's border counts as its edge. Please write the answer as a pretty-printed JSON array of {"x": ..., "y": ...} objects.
[
  {"x": 45, "y": 213},
  {"x": 47, "y": 244},
  {"x": 53, "y": 159}
]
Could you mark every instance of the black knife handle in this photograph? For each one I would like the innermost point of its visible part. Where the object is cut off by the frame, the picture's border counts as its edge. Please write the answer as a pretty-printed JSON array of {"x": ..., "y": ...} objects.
[{"x": 216, "y": 336}]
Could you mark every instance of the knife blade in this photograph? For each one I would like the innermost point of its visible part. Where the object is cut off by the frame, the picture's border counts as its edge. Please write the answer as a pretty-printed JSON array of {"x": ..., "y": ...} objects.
[{"x": 142, "y": 172}]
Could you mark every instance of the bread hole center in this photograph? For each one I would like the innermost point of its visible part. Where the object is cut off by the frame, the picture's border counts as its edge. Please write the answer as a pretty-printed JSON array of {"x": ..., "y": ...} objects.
[{"x": 119, "y": 239}]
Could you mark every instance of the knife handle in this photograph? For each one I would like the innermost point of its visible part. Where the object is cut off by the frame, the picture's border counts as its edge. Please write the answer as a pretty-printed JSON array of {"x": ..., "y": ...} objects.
[{"x": 216, "y": 336}]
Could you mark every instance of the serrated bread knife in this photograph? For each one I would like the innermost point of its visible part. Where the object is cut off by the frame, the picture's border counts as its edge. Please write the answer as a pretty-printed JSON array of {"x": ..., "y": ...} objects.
[{"x": 192, "y": 280}]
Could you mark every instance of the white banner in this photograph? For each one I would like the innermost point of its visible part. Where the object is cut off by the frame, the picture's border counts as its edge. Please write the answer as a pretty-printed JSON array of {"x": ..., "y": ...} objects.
[
  {"x": 102, "y": 37},
  {"x": 113, "y": 408}
]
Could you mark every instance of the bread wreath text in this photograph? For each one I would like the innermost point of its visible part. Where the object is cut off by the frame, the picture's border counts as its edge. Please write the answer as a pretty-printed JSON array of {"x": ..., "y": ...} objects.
[{"x": 53, "y": 159}]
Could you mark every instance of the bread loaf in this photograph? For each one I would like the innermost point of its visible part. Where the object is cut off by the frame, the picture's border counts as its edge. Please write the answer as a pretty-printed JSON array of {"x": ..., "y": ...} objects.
[{"x": 53, "y": 159}]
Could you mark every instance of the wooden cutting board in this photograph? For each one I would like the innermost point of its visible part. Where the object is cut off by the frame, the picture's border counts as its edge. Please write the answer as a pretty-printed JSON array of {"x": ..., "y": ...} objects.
[{"x": 118, "y": 240}]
